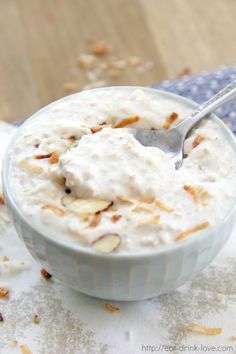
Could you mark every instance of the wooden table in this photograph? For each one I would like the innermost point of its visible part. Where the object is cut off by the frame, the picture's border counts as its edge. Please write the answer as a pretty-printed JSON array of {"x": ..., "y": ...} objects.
[{"x": 41, "y": 39}]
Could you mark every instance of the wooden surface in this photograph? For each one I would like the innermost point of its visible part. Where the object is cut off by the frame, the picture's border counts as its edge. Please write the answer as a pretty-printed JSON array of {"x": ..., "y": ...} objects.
[{"x": 41, "y": 39}]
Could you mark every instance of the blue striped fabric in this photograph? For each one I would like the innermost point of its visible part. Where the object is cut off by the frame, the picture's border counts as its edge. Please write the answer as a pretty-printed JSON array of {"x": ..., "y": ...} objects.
[{"x": 202, "y": 86}]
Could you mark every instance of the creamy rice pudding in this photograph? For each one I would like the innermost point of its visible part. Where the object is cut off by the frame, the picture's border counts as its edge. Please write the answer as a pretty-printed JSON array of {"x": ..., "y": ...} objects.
[{"x": 78, "y": 172}]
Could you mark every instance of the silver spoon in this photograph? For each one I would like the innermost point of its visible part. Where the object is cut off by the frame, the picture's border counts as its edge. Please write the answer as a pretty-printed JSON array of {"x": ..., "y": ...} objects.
[{"x": 171, "y": 141}]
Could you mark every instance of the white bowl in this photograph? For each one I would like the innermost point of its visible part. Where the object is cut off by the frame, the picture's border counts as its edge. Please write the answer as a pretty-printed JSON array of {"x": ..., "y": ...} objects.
[{"x": 126, "y": 275}]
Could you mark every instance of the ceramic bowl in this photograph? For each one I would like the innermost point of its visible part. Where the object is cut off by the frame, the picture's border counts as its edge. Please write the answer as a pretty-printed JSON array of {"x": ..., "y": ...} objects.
[{"x": 126, "y": 275}]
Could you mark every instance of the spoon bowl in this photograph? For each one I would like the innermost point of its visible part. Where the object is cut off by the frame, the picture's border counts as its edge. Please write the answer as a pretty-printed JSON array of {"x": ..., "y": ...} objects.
[{"x": 171, "y": 141}]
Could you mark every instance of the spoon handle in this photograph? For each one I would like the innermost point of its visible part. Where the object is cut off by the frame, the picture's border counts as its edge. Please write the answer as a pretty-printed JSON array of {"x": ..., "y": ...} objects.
[{"x": 226, "y": 94}]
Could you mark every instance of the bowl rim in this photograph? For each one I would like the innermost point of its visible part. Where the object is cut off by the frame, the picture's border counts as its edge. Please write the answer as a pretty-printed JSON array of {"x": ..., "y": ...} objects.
[{"x": 74, "y": 246}]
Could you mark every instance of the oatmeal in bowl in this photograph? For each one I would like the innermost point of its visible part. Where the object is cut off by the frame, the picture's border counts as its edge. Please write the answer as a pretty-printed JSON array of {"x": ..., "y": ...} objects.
[{"x": 78, "y": 180}]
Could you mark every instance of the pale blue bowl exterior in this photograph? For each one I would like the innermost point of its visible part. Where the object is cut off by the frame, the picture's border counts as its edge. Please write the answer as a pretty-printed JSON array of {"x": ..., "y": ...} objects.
[{"x": 121, "y": 276}]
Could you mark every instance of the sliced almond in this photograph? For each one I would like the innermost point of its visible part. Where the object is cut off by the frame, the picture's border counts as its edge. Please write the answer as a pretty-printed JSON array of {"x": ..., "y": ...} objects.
[
  {"x": 57, "y": 178},
  {"x": 54, "y": 209},
  {"x": 83, "y": 207},
  {"x": 5, "y": 259},
  {"x": 67, "y": 199},
  {"x": 148, "y": 200},
  {"x": 127, "y": 121},
  {"x": 198, "y": 139},
  {"x": 4, "y": 292},
  {"x": 115, "y": 218},
  {"x": 25, "y": 349},
  {"x": 162, "y": 206},
  {"x": 30, "y": 167},
  {"x": 95, "y": 220},
  {"x": 170, "y": 120},
  {"x": 112, "y": 308},
  {"x": 186, "y": 233},
  {"x": 194, "y": 327},
  {"x": 54, "y": 158},
  {"x": 233, "y": 338},
  {"x": 107, "y": 243}
]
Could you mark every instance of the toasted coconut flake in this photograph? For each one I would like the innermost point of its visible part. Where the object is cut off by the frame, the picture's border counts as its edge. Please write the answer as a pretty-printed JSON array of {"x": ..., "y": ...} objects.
[
  {"x": 220, "y": 297},
  {"x": 124, "y": 200},
  {"x": 67, "y": 199},
  {"x": 2, "y": 201},
  {"x": 100, "y": 48},
  {"x": 95, "y": 220},
  {"x": 1, "y": 317},
  {"x": 43, "y": 156},
  {"x": 194, "y": 192},
  {"x": 186, "y": 233},
  {"x": 198, "y": 139},
  {"x": 54, "y": 209},
  {"x": 84, "y": 207},
  {"x": 162, "y": 206},
  {"x": 98, "y": 128},
  {"x": 36, "y": 319},
  {"x": 30, "y": 167},
  {"x": 13, "y": 323},
  {"x": 133, "y": 61},
  {"x": 13, "y": 343},
  {"x": 112, "y": 308},
  {"x": 25, "y": 349},
  {"x": 116, "y": 217},
  {"x": 45, "y": 274},
  {"x": 118, "y": 64},
  {"x": 138, "y": 205},
  {"x": 204, "y": 196},
  {"x": 170, "y": 120},
  {"x": 4, "y": 217},
  {"x": 114, "y": 73},
  {"x": 194, "y": 327},
  {"x": 70, "y": 87},
  {"x": 87, "y": 61},
  {"x": 184, "y": 72},
  {"x": 148, "y": 200},
  {"x": 4, "y": 292},
  {"x": 54, "y": 157},
  {"x": 155, "y": 219},
  {"x": 107, "y": 243},
  {"x": 197, "y": 194},
  {"x": 127, "y": 121}
]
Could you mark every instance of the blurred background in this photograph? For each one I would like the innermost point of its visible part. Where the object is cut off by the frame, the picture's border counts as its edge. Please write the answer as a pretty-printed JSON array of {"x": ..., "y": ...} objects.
[{"x": 50, "y": 48}]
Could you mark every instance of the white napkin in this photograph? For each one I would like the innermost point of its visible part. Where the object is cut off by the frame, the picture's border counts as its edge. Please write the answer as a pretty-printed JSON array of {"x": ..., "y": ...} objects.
[{"x": 72, "y": 323}]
